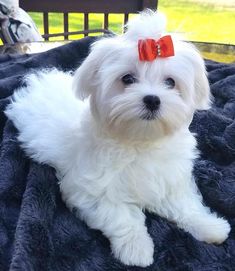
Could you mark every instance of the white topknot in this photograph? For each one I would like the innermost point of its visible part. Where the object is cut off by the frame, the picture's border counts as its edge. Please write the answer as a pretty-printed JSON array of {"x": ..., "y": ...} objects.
[{"x": 148, "y": 24}]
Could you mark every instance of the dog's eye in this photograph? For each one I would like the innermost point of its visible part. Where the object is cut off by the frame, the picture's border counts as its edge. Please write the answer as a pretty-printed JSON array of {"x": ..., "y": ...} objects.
[
  {"x": 128, "y": 79},
  {"x": 169, "y": 82}
]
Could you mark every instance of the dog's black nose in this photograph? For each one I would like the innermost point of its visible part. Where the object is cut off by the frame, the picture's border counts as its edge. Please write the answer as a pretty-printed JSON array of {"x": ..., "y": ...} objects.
[{"x": 152, "y": 102}]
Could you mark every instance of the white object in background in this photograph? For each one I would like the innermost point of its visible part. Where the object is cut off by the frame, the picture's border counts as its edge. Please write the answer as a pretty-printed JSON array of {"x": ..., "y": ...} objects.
[
  {"x": 16, "y": 24},
  {"x": 8, "y": 8}
]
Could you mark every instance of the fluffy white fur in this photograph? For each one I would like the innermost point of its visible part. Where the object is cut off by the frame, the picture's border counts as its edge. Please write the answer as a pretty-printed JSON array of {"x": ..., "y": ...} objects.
[{"x": 112, "y": 163}]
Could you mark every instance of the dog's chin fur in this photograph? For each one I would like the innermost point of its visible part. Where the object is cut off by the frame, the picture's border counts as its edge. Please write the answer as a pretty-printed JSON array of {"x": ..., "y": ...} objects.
[{"x": 113, "y": 157}]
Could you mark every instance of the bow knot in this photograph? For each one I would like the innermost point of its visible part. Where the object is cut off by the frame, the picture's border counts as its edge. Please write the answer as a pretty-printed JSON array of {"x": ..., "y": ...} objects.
[{"x": 150, "y": 49}]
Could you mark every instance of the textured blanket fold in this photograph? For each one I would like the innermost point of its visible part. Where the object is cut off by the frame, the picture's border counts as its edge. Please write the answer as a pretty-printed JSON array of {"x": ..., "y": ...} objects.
[{"x": 38, "y": 232}]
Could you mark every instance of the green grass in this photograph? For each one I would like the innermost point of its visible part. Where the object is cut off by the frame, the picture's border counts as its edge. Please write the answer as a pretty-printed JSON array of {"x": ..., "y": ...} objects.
[
  {"x": 200, "y": 20},
  {"x": 197, "y": 20},
  {"x": 76, "y": 22}
]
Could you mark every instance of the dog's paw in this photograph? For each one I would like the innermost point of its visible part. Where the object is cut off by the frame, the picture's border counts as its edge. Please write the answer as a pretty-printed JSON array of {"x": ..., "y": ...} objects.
[
  {"x": 134, "y": 249},
  {"x": 212, "y": 230}
]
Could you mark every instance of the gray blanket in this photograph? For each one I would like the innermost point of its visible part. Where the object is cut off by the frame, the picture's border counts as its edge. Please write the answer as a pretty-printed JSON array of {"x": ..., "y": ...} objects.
[{"x": 38, "y": 232}]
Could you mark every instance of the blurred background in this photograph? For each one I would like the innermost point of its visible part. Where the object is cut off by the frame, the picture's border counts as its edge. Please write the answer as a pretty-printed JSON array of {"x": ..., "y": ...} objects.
[
  {"x": 202, "y": 20},
  {"x": 199, "y": 20},
  {"x": 210, "y": 24}
]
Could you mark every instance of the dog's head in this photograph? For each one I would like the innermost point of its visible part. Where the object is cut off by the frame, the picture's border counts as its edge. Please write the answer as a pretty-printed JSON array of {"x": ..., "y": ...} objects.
[{"x": 142, "y": 100}]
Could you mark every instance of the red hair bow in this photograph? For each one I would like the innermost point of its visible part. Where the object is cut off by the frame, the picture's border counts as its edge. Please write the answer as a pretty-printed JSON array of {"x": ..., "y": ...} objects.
[{"x": 150, "y": 49}]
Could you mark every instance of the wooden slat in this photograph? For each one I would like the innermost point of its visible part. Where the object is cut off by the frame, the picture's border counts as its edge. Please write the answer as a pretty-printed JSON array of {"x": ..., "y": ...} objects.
[
  {"x": 88, "y": 6},
  {"x": 46, "y": 24},
  {"x": 106, "y": 21},
  {"x": 77, "y": 33},
  {"x": 86, "y": 24},
  {"x": 66, "y": 25},
  {"x": 126, "y": 16}
]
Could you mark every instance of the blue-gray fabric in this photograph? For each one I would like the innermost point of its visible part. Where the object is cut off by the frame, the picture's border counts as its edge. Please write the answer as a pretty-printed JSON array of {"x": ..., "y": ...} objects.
[{"x": 38, "y": 232}]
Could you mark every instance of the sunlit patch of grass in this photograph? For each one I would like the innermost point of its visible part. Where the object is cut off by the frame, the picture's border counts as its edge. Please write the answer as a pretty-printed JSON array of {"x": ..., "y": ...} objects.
[
  {"x": 226, "y": 58},
  {"x": 200, "y": 21}
]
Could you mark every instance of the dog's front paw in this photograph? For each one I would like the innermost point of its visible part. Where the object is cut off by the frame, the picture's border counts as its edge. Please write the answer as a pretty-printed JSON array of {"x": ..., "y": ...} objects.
[
  {"x": 134, "y": 249},
  {"x": 212, "y": 230}
]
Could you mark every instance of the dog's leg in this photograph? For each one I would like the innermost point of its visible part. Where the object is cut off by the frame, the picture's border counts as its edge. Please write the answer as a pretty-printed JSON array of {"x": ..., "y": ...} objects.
[
  {"x": 124, "y": 225},
  {"x": 185, "y": 207}
]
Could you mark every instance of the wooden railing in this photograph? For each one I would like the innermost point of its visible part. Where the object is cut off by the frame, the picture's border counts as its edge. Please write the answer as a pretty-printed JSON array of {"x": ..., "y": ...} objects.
[{"x": 105, "y": 7}]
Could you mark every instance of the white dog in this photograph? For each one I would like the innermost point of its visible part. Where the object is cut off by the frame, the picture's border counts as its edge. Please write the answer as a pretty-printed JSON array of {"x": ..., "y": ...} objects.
[{"x": 127, "y": 147}]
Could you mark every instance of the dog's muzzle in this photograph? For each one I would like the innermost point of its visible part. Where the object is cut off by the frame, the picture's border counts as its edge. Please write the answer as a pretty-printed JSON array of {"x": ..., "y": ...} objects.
[{"x": 152, "y": 104}]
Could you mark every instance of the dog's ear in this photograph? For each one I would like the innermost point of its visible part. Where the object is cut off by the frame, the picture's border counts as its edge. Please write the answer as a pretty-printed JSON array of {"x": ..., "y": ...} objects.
[
  {"x": 202, "y": 95},
  {"x": 85, "y": 77},
  {"x": 201, "y": 85}
]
